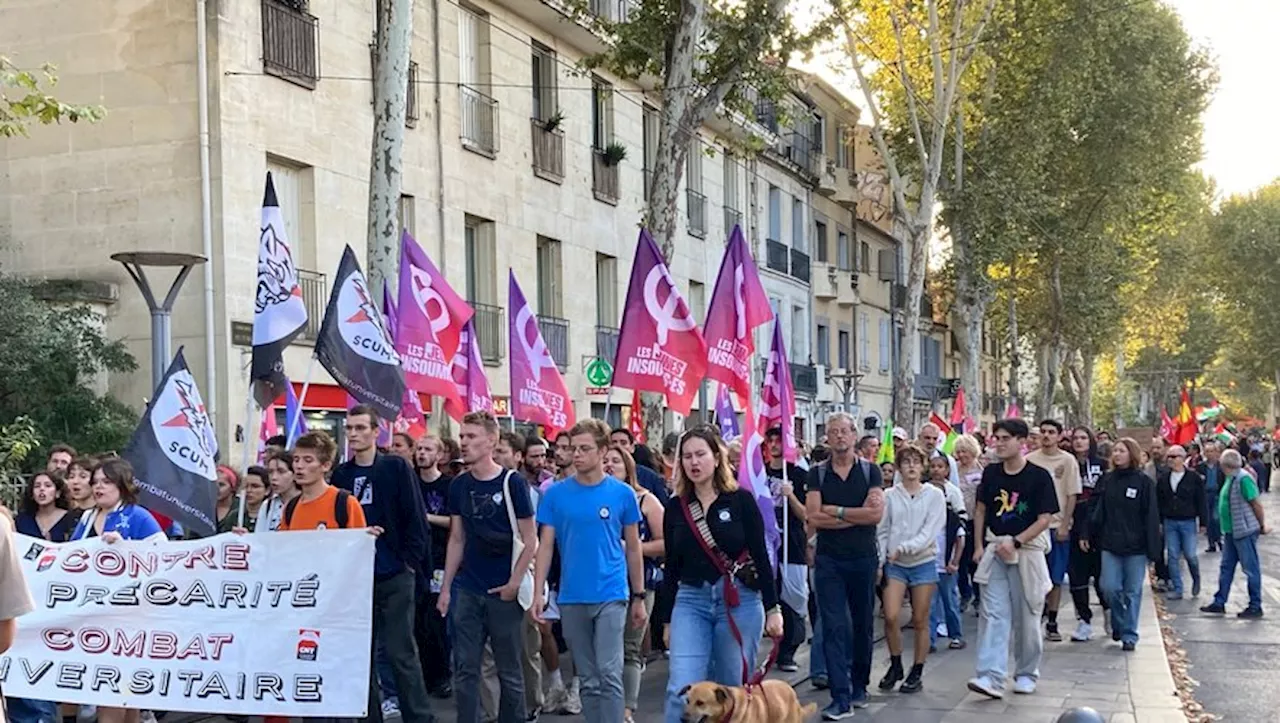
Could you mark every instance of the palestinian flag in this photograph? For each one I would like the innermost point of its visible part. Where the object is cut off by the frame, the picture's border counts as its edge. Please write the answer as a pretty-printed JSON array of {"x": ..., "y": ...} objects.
[
  {"x": 1213, "y": 411},
  {"x": 949, "y": 435}
]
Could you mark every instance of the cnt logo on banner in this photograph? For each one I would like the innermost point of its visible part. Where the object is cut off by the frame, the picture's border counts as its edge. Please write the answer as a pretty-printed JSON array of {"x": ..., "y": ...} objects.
[
  {"x": 354, "y": 345},
  {"x": 246, "y": 625},
  {"x": 174, "y": 452}
]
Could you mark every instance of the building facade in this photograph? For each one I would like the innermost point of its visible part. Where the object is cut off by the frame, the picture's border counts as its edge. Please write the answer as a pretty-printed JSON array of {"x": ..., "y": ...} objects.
[{"x": 514, "y": 159}]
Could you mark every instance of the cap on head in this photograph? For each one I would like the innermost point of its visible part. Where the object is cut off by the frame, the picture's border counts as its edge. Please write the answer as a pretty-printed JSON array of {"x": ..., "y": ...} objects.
[{"x": 899, "y": 433}]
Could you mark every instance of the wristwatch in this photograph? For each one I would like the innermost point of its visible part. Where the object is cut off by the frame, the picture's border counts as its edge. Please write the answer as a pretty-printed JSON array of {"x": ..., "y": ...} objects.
[
  {"x": 1017, "y": 544},
  {"x": 637, "y": 597}
]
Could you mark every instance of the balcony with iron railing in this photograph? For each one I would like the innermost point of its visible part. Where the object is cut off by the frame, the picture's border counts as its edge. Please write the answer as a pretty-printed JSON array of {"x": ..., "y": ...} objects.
[
  {"x": 776, "y": 257},
  {"x": 804, "y": 377},
  {"x": 491, "y": 332},
  {"x": 315, "y": 295},
  {"x": 604, "y": 178},
  {"x": 555, "y": 333},
  {"x": 548, "y": 151},
  {"x": 479, "y": 121},
  {"x": 800, "y": 265},
  {"x": 607, "y": 342},
  {"x": 732, "y": 217},
  {"x": 612, "y": 11},
  {"x": 697, "y": 213},
  {"x": 289, "y": 42}
]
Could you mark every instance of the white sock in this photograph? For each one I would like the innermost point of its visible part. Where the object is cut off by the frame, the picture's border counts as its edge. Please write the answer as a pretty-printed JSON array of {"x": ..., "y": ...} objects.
[{"x": 556, "y": 680}]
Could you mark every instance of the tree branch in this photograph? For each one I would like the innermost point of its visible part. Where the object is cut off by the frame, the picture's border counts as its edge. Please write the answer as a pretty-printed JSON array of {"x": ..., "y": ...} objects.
[{"x": 908, "y": 85}]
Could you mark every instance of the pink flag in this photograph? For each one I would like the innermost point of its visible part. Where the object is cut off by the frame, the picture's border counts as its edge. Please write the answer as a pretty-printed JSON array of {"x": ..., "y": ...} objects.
[
  {"x": 266, "y": 431},
  {"x": 778, "y": 399},
  {"x": 659, "y": 348},
  {"x": 468, "y": 375},
  {"x": 753, "y": 478},
  {"x": 432, "y": 297},
  {"x": 538, "y": 392},
  {"x": 422, "y": 314},
  {"x": 738, "y": 305},
  {"x": 1012, "y": 411}
]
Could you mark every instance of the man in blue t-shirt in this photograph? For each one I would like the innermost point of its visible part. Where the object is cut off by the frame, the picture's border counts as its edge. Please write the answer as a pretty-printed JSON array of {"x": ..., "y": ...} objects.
[
  {"x": 596, "y": 519},
  {"x": 480, "y": 578}
]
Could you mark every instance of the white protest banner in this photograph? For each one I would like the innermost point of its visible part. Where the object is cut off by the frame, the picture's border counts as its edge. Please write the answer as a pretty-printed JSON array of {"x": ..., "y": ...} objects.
[{"x": 270, "y": 624}]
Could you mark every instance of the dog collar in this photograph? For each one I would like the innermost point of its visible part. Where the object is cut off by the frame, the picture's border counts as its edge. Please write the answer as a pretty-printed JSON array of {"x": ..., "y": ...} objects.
[{"x": 728, "y": 714}]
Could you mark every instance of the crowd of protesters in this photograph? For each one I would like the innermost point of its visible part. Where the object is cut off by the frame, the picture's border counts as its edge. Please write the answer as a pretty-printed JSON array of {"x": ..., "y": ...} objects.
[{"x": 504, "y": 561}]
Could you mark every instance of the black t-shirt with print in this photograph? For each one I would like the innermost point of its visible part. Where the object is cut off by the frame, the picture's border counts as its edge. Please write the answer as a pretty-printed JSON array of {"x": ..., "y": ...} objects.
[{"x": 1013, "y": 502}]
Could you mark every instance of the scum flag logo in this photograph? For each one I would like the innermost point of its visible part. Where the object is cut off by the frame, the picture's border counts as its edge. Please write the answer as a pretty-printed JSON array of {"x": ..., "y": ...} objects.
[
  {"x": 277, "y": 276},
  {"x": 361, "y": 325},
  {"x": 181, "y": 426}
]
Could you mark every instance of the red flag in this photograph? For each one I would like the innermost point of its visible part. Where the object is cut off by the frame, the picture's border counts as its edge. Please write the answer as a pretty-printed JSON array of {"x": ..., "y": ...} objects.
[
  {"x": 942, "y": 426},
  {"x": 538, "y": 392},
  {"x": 659, "y": 348},
  {"x": 636, "y": 424},
  {"x": 778, "y": 399},
  {"x": 738, "y": 305},
  {"x": 958, "y": 412},
  {"x": 1187, "y": 427},
  {"x": 1168, "y": 430},
  {"x": 425, "y": 315}
]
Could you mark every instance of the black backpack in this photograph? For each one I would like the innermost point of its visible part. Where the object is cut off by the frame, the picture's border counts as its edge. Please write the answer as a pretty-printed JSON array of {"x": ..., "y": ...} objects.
[{"x": 339, "y": 509}]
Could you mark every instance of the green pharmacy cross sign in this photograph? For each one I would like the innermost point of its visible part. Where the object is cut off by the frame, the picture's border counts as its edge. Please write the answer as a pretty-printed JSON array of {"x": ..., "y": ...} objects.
[{"x": 599, "y": 372}]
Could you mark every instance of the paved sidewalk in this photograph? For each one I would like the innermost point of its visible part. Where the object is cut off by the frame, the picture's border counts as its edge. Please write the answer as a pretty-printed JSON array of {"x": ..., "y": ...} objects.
[{"x": 1124, "y": 687}]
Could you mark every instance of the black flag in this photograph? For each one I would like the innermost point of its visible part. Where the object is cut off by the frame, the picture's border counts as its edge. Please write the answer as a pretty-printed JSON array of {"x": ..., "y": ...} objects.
[
  {"x": 279, "y": 311},
  {"x": 354, "y": 345},
  {"x": 174, "y": 453}
]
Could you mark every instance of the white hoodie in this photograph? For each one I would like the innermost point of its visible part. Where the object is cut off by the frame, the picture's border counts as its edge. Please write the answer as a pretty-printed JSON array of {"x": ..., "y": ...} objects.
[{"x": 911, "y": 524}]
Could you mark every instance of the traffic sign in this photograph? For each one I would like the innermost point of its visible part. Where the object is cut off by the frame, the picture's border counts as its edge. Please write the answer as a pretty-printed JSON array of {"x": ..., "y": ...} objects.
[{"x": 599, "y": 372}]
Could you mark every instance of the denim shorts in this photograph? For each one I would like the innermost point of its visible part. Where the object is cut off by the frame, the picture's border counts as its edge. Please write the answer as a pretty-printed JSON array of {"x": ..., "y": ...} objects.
[
  {"x": 1057, "y": 557},
  {"x": 926, "y": 573}
]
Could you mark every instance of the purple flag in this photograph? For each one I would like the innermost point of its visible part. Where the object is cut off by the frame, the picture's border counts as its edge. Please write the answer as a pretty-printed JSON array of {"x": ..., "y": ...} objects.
[
  {"x": 725, "y": 416},
  {"x": 659, "y": 347},
  {"x": 468, "y": 375},
  {"x": 538, "y": 392},
  {"x": 389, "y": 311},
  {"x": 753, "y": 478},
  {"x": 778, "y": 399},
  {"x": 424, "y": 315},
  {"x": 738, "y": 305}
]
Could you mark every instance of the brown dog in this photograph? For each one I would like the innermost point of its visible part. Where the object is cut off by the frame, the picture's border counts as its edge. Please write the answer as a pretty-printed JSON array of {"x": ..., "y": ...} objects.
[{"x": 773, "y": 702}]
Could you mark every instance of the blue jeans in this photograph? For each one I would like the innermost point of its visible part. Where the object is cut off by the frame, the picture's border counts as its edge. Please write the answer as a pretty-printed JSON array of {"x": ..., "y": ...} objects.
[
  {"x": 846, "y": 592},
  {"x": 475, "y": 618},
  {"x": 1122, "y": 578},
  {"x": 1243, "y": 550},
  {"x": 946, "y": 608},
  {"x": 1180, "y": 542},
  {"x": 24, "y": 710},
  {"x": 1214, "y": 525},
  {"x": 703, "y": 646},
  {"x": 1007, "y": 613}
]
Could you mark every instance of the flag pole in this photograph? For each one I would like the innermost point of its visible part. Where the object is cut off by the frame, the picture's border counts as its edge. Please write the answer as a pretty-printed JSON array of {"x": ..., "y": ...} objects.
[
  {"x": 608, "y": 404},
  {"x": 297, "y": 418},
  {"x": 248, "y": 424}
]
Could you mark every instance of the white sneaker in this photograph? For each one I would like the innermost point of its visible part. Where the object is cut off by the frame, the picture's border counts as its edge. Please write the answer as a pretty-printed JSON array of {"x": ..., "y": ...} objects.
[
  {"x": 555, "y": 700},
  {"x": 390, "y": 709},
  {"x": 147, "y": 716},
  {"x": 573, "y": 702},
  {"x": 1024, "y": 685},
  {"x": 986, "y": 686},
  {"x": 1084, "y": 631}
]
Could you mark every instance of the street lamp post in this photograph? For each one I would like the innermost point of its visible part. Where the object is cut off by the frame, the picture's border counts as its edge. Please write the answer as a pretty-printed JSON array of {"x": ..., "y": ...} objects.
[
  {"x": 847, "y": 383},
  {"x": 135, "y": 262}
]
